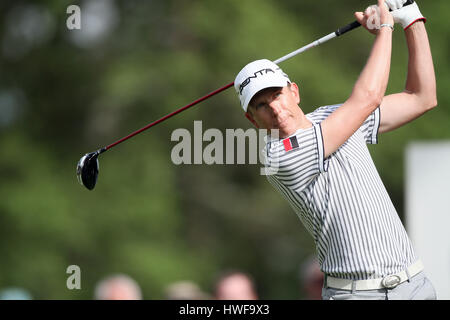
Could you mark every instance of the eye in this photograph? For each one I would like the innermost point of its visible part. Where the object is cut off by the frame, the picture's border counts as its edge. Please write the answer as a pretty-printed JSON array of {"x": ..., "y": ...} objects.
[{"x": 260, "y": 105}]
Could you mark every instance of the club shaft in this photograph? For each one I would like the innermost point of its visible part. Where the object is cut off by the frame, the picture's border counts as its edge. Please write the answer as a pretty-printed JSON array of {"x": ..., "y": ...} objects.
[
  {"x": 316, "y": 43},
  {"x": 307, "y": 47},
  {"x": 169, "y": 115}
]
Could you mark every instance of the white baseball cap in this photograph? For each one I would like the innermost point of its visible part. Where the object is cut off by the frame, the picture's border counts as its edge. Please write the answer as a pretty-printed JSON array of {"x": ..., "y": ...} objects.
[{"x": 256, "y": 76}]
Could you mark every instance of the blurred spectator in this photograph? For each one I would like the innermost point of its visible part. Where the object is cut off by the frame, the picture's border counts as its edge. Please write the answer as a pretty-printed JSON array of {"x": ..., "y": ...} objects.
[
  {"x": 311, "y": 279},
  {"x": 235, "y": 285},
  {"x": 185, "y": 290},
  {"x": 14, "y": 293},
  {"x": 117, "y": 287}
]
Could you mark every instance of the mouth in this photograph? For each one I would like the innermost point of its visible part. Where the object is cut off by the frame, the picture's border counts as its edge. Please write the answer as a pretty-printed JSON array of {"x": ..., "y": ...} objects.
[{"x": 281, "y": 121}]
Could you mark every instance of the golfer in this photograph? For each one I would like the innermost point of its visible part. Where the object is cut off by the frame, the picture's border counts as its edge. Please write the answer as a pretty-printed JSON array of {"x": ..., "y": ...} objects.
[{"x": 325, "y": 170}]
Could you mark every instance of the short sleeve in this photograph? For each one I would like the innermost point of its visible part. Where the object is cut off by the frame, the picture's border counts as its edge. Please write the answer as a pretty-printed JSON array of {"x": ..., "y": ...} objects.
[
  {"x": 298, "y": 159},
  {"x": 371, "y": 126}
]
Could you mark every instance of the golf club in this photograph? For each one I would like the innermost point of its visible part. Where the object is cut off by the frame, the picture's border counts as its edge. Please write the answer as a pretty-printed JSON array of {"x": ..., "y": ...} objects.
[{"x": 88, "y": 166}]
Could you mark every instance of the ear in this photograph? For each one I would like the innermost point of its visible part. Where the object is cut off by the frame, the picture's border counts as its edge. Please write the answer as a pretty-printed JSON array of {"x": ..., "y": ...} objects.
[
  {"x": 250, "y": 118},
  {"x": 296, "y": 92}
]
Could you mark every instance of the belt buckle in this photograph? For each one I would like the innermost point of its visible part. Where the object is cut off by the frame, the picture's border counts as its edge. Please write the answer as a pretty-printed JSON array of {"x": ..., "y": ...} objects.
[{"x": 391, "y": 281}]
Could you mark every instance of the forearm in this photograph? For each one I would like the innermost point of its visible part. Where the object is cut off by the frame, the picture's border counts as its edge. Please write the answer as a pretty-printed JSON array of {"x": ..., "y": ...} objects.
[
  {"x": 374, "y": 78},
  {"x": 366, "y": 96},
  {"x": 421, "y": 79}
]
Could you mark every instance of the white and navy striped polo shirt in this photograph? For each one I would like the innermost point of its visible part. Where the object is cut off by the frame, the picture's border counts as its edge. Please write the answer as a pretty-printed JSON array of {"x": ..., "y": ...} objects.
[{"x": 341, "y": 200}]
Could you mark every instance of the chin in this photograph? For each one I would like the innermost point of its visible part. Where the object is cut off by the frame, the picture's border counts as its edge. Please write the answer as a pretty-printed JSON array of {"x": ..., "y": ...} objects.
[{"x": 286, "y": 131}]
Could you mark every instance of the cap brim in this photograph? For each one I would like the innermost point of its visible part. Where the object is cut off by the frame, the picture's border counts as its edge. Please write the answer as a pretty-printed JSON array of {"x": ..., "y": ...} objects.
[{"x": 257, "y": 86}]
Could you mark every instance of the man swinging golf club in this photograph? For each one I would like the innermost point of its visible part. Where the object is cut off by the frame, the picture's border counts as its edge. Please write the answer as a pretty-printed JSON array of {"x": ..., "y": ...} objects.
[{"x": 326, "y": 172}]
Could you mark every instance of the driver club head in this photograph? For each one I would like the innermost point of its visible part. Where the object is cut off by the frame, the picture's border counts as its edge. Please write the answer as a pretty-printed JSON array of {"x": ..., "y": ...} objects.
[{"x": 87, "y": 169}]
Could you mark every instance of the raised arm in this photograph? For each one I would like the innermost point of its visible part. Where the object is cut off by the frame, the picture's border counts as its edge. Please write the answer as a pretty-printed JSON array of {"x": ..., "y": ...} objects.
[
  {"x": 369, "y": 89},
  {"x": 419, "y": 95}
]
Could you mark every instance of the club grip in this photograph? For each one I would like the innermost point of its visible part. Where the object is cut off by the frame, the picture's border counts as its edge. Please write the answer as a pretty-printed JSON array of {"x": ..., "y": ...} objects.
[
  {"x": 347, "y": 28},
  {"x": 356, "y": 24},
  {"x": 407, "y": 3}
]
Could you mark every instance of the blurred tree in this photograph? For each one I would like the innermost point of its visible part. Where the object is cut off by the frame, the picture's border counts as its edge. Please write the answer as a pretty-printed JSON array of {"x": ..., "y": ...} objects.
[{"x": 64, "y": 93}]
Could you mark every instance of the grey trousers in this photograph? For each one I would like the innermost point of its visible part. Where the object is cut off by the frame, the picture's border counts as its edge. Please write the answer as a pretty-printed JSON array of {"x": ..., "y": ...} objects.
[{"x": 416, "y": 288}]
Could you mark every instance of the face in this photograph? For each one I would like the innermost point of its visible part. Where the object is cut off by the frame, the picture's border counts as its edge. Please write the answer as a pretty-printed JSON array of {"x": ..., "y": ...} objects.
[{"x": 276, "y": 108}]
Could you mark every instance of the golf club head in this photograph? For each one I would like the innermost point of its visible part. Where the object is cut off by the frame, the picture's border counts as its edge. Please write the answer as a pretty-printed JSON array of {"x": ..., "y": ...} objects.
[{"x": 87, "y": 170}]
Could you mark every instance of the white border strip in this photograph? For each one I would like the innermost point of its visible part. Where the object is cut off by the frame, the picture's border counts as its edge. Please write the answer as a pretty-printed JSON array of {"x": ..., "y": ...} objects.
[
  {"x": 321, "y": 147},
  {"x": 376, "y": 126}
]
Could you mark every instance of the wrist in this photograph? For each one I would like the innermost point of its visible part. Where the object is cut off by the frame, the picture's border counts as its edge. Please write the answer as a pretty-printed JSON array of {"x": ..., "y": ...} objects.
[
  {"x": 416, "y": 27},
  {"x": 423, "y": 19},
  {"x": 385, "y": 28},
  {"x": 387, "y": 25}
]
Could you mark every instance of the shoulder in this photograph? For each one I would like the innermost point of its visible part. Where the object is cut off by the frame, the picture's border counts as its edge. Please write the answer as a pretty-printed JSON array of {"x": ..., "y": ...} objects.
[{"x": 321, "y": 113}]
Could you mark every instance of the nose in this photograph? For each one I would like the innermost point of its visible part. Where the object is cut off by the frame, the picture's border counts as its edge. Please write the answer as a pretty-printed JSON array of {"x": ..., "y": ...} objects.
[{"x": 276, "y": 107}]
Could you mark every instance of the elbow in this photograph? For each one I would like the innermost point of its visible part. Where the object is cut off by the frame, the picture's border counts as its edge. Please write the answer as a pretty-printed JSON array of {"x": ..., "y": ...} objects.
[
  {"x": 370, "y": 99},
  {"x": 427, "y": 97},
  {"x": 425, "y": 100},
  {"x": 429, "y": 101},
  {"x": 377, "y": 99}
]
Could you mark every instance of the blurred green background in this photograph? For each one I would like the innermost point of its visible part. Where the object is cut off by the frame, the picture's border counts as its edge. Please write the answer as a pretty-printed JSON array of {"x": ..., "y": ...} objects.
[{"x": 64, "y": 93}]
